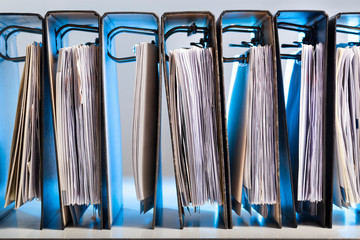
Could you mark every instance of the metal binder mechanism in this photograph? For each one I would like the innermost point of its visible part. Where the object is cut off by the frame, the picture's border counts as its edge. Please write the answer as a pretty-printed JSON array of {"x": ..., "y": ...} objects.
[
  {"x": 63, "y": 30},
  {"x": 345, "y": 29},
  {"x": 348, "y": 30},
  {"x": 291, "y": 56},
  {"x": 15, "y": 29},
  {"x": 190, "y": 30},
  {"x": 308, "y": 39},
  {"x": 125, "y": 29},
  {"x": 256, "y": 40}
]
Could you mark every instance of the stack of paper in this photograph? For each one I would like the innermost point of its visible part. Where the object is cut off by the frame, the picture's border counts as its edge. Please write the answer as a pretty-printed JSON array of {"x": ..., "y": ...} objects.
[
  {"x": 145, "y": 119},
  {"x": 311, "y": 124},
  {"x": 347, "y": 113},
  {"x": 24, "y": 169},
  {"x": 77, "y": 113},
  {"x": 194, "y": 126},
  {"x": 259, "y": 129}
]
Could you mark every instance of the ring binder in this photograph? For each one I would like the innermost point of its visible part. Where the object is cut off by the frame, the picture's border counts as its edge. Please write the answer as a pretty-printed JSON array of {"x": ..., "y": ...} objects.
[
  {"x": 196, "y": 23},
  {"x": 112, "y": 24},
  {"x": 57, "y": 25},
  {"x": 260, "y": 25},
  {"x": 341, "y": 23},
  {"x": 13, "y": 23},
  {"x": 313, "y": 24}
]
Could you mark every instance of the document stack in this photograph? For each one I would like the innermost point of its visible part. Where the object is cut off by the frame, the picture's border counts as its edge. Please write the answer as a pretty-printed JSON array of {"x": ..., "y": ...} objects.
[
  {"x": 77, "y": 126},
  {"x": 25, "y": 158},
  {"x": 144, "y": 137},
  {"x": 259, "y": 135},
  {"x": 347, "y": 110},
  {"x": 255, "y": 143},
  {"x": 311, "y": 124},
  {"x": 192, "y": 100},
  {"x": 344, "y": 75}
]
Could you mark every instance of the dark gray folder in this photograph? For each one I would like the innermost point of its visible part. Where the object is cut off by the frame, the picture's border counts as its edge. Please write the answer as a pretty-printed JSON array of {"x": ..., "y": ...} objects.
[
  {"x": 314, "y": 25},
  {"x": 196, "y": 23},
  {"x": 261, "y": 25}
]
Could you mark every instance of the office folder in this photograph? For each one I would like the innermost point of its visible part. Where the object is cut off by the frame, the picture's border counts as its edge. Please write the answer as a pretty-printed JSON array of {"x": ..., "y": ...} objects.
[
  {"x": 12, "y": 25},
  {"x": 250, "y": 30},
  {"x": 59, "y": 26},
  {"x": 146, "y": 122},
  {"x": 193, "y": 24},
  {"x": 343, "y": 45},
  {"x": 309, "y": 29}
]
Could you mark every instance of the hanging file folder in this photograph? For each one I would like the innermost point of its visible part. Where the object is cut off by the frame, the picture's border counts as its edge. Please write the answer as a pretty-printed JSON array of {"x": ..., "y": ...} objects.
[
  {"x": 249, "y": 33},
  {"x": 195, "y": 108},
  {"x": 32, "y": 136},
  {"x": 146, "y": 116},
  {"x": 304, "y": 83}
]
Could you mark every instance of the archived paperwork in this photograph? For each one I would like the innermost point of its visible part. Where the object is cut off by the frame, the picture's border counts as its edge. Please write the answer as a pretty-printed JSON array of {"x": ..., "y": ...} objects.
[
  {"x": 346, "y": 137},
  {"x": 251, "y": 120},
  {"x": 192, "y": 107},
  {"x": 77, "y": 124},
  {"x": 145, "y": 116},
  {"x": 24, "y": 166}
]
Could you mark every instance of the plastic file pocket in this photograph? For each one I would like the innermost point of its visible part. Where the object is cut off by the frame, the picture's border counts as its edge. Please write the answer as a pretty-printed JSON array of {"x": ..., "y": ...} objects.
[
  {"x": 59, "y": 25},
  {"x": 310, "y": 28},
  {"x": 196, "y": 24},
  {"x": 13, "y": 25},
  {"x": 343, "y": 33},
  {"x": 252, "y": 29},
  {"x": 115, "y": 24}
]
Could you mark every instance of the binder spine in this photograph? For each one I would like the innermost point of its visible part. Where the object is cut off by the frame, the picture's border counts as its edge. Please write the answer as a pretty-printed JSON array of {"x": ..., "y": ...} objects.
[
  {"x": 286, "y": 178},
  {"x": 224, "y": 121}
]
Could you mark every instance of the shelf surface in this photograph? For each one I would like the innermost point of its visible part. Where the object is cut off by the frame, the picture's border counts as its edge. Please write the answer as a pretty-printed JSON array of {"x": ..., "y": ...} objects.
[{"x": 24, "y": 223}]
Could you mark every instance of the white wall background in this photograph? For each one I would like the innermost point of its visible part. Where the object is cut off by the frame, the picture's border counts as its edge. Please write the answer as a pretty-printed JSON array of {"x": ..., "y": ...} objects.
[{"x": 159, "y": 6}]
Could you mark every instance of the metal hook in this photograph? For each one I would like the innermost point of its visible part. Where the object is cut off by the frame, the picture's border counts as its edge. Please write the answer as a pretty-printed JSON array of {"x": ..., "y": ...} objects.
[
  {"x": 72, "y": 27},
  {"x": 190, "y": 30},
  {"x": 134, "y": 30},
  {"x": 256, "y": 40}
]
